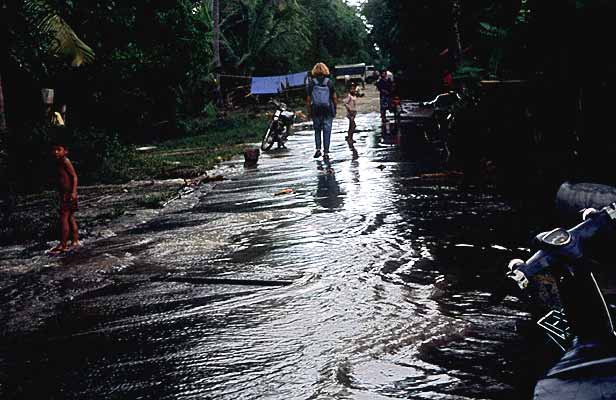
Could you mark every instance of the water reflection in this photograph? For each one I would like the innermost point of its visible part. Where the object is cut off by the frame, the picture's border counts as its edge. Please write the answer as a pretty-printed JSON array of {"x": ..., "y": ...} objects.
[
  {"x": 354, "y": 153},
  {"x": 390, "y": 134},
  {"x": 328, "y": 194},
  {"x": 364, "y": 243}
]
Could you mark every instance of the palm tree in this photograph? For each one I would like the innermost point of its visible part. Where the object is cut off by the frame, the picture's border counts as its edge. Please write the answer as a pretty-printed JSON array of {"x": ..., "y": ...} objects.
[
  {"x": 257, "y": 24},
  {"x": 216, "y": 45}
]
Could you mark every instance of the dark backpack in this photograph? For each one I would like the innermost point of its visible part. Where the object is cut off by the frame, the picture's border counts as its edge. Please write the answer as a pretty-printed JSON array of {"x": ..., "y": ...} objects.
[{"x": 320, "y": 97}]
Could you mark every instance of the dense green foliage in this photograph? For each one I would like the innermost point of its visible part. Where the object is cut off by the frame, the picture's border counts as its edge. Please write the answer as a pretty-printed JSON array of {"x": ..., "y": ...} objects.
[
  {"x": 519, "y": 39},
  {"x": 153, "y": 61},
  {"x": 556, "y": 49},
  {"x": 152, "y": 71},
  {"x": 147, "y": 66},
  {"x": 277, "y": 36}
]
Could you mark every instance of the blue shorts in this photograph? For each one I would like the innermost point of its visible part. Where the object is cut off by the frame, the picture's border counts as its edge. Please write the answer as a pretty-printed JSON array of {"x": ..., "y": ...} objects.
[{"x": 385, "y": 103}]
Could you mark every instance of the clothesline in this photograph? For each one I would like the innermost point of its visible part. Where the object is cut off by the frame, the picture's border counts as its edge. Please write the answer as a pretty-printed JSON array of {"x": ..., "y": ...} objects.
[
  {"x": 236, "y": 76},
  {"x": 276, "y": 84},
  {"x": 273, "y": 84}
]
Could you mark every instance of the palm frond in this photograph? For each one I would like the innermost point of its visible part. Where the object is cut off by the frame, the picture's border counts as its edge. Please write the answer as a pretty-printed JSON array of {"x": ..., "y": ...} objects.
[{"x": 65, "y": 41}]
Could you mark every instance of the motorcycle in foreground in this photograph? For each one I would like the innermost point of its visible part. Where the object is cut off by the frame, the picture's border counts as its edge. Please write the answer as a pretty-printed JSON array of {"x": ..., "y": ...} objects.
[
  {"x": 279, "y": 127},
  {"x": 583, "y": 327}
]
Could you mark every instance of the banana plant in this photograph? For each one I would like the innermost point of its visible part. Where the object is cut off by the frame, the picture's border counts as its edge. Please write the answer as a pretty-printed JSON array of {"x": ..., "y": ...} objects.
[{"x": 64, "y": 41}]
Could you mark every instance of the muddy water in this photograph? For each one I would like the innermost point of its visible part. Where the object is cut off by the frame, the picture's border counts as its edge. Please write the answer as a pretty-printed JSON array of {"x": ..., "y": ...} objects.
[{"x": 361, "y": 282}]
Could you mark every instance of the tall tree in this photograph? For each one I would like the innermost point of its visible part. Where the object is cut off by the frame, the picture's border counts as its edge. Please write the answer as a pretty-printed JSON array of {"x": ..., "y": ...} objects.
[
  {"x": 216, "y": 45},
  {"x": 216, "y": 39}
]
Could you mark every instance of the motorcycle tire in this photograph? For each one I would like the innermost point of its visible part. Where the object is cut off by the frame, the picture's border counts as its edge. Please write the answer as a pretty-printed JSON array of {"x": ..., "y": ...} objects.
[{"x": 268, "y": 139}]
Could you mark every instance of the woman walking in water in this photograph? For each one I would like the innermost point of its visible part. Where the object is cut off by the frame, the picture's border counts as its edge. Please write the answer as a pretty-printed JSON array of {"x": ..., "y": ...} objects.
[{"x": 321, "y": 106}]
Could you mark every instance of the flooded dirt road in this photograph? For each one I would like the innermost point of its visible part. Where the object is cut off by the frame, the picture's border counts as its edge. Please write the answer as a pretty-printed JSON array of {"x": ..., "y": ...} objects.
[{"x": 297, "y": 279}]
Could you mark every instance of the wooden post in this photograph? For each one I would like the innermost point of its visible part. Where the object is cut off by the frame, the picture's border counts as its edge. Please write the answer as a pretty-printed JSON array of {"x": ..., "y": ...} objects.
[{"x": 2, "y": 112}]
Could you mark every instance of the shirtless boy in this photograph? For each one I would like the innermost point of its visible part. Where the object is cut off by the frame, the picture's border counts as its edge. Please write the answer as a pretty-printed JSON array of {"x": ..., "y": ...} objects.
[{"x": 67, "y": 190}]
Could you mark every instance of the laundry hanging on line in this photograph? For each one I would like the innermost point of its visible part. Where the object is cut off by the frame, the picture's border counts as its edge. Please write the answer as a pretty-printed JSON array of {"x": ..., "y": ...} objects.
[
  {"x": 276, "y": 84},
  {"x": 298, "y": 79}
]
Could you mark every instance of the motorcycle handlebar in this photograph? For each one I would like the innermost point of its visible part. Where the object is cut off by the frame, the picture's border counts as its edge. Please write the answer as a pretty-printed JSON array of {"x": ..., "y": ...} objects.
[{"x": 571, "y": 250}]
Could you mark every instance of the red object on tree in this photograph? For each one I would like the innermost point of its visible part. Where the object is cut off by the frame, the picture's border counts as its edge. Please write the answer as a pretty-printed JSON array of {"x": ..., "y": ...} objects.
[{"x": 447, "y": 80}]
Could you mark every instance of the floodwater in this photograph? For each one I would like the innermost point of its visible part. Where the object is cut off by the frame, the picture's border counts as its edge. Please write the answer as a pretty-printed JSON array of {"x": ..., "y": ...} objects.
[{"x": 297, "y": 279}]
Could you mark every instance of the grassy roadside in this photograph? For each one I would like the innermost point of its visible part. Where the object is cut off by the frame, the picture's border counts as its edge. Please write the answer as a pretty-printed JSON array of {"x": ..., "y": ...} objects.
[{"x": 191, "y": 156}]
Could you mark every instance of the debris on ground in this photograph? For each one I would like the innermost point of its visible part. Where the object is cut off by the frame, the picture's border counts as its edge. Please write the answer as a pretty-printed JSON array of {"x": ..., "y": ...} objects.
[
  {"x": 301, "y": 117},
  {"x": 190, "y": 185},
  {"x": 284, "y": 191},
  {"x": 440, "y": 175},
  {"x": 145, "y": 148}
]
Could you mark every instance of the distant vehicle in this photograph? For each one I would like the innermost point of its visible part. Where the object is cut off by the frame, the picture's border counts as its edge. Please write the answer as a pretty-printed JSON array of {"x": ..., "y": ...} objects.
[
  {"x": 371, "y": 74},
  {"x": 351, "y": 72}
]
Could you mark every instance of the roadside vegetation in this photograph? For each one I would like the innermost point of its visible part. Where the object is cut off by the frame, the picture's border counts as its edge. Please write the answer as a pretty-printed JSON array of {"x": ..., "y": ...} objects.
[
  {"x": 153, "y": 73},
  {"x": 176, "y": 75},
  {"x": 134, "y": 74},
  {"x": 191, "y": 156},
  {"x": 537, "y": 78}
]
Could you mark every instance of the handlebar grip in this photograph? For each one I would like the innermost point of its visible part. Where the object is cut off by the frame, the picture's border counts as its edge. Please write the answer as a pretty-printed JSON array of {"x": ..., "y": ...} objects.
[
  {"x": 516, "y": 266},
  {"x": 573, "y": 251}
]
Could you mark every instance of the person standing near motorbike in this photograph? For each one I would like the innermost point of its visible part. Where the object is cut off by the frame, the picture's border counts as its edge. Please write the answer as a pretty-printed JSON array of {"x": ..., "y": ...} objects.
[
  {"x": 321, "y": 104},
  {"x": 386, "y": 88}
]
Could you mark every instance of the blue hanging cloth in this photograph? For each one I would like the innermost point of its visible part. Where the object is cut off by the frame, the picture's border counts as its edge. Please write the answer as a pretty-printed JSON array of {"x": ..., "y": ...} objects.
[
  {"x": 266, "y": 84},
  {"x": 297, "y": 79},
  {"x": 276, "y": 84}
]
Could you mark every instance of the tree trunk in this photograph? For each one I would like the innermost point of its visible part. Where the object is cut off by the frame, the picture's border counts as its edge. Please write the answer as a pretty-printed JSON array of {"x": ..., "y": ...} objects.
[
  {"x": 217, "y": 63},
  {"x": 2, "y": 112},
  {"x": 216, "y": 42}
]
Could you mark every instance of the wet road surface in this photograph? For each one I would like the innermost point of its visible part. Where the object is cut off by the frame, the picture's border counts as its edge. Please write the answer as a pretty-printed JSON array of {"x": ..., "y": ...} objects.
[{"x": 361, "y": 282}]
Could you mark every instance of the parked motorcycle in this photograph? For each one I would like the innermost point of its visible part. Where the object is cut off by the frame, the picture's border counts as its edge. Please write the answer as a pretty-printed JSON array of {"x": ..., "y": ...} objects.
[
  {"x": 435, "y": 119},
  {"x": 583, "y": 327},
  {"x": 443, "y": 113},
  {"x": 279, "y": 127}
]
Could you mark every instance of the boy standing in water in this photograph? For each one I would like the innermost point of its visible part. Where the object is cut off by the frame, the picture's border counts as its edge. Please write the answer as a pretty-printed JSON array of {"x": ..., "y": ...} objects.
[
  {"x": 351, "y": 109},
  {"x": 67, "y": 190}
]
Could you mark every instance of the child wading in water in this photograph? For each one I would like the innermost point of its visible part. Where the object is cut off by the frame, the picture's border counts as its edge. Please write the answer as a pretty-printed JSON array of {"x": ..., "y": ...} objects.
[
  {"x": 351, "y": 109},
  {"x": 67, "y": 190}
]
